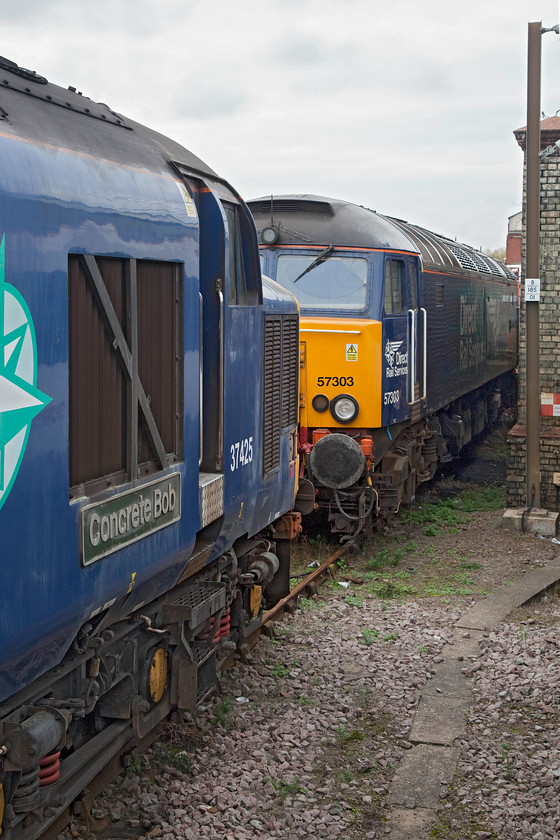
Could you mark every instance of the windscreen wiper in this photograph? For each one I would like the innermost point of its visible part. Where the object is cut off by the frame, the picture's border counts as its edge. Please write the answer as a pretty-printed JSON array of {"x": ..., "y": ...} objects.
[{"x": 324, "y": 255}]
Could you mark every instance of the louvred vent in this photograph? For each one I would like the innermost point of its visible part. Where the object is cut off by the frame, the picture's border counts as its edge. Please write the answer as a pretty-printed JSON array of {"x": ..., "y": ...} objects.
[
  {"x": 281, "y": 367},
  {"x": 290, "y": 368}
]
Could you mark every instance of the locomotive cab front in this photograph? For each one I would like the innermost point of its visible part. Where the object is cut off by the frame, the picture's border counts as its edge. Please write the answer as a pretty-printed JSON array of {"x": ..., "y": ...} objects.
[
  {"x": 401, "y": 348},
  {"x": 359, "y": 330}
]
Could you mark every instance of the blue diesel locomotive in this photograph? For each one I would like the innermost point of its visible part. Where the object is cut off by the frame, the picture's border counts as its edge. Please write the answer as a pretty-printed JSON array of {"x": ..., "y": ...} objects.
[
  {"x": 148, "y": 437},
  {"x": 408, "y": 343}
]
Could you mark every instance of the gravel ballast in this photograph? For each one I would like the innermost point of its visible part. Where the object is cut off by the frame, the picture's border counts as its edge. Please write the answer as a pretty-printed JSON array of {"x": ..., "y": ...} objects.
[{"x": 306, "y": 735}]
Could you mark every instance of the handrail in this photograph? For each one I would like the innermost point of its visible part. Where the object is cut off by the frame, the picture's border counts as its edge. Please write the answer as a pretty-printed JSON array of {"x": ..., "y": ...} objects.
[
  {"x": 201, "y": 380},
  {"x": 219, "y": 454},
  {"x": 425, "y": 343},
  {"x": 412, "y": 355}
]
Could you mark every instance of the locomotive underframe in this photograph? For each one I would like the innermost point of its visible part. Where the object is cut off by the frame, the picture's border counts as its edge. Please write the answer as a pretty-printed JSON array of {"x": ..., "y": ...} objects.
[
  {"x": 120, "y": 680},
  {"x": 408, "y": 458}
]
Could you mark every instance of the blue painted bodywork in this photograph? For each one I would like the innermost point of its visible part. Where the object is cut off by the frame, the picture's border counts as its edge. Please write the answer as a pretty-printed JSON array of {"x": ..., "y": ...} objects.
[{"x": 58, "y": 199}]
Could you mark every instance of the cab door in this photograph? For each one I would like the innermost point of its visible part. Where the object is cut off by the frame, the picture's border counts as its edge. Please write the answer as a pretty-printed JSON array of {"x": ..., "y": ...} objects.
[
  {"x": 402, "y": 364},
  {"x": 416, "y": 339}
]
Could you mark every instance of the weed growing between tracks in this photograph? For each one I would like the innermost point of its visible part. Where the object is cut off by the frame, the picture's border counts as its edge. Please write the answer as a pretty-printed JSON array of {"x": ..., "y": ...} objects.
[{"x": 422, "y": 554}]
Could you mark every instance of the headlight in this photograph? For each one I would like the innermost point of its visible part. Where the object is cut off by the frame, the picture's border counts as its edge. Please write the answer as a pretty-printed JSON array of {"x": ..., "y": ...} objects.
[
  {"x": 320, "y": 402},
  {"x": 269, "y": 235},
  {"x": 344, "y": 408}
]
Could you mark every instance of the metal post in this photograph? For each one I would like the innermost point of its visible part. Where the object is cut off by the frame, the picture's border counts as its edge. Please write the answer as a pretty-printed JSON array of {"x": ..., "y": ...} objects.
[{"x": 532, "y": 265}]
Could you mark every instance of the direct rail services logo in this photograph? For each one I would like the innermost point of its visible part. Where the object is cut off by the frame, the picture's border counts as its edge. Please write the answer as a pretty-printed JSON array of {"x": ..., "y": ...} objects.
[{"x": 20, "y": 399}]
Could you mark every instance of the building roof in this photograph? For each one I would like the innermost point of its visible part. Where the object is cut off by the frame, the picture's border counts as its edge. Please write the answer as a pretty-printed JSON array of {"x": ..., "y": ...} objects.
[{"x": 550, "y": 133}]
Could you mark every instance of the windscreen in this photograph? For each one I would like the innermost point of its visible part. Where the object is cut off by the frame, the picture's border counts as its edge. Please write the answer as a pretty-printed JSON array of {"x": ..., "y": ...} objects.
[{"x": 334, "y": 283}]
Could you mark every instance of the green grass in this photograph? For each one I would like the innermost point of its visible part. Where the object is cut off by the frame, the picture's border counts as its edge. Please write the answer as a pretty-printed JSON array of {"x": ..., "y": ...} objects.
[
  {"x": 354, "y": 600},
  {"x": 435, "y": 514},
  {"x": 388, "y": 590},
  {"x": 173, "y": 755},
  {"x": 369, "y": 635},
  {"x": 447, "y": 514},
  {"x": 278, "y": 670},
  {"x": 390, "y": 557},
  {"x": 482, "y": 499},
  {"x": 222, "y": 711},
  {"x": 457, "y": 585},
  {"x": 306, "y": 603},
  {"x": 284, "y": 789},
  {"x": 344, "y": 735}
]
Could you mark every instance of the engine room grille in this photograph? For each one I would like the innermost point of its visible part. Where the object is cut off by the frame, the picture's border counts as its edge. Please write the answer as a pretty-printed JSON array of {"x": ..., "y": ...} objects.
[
  {"x": 271, "y": 406},
  {"x": 280, "y": 393},
  {"x": 464, "y": 258},
  {"x": 290, "y": 369}
]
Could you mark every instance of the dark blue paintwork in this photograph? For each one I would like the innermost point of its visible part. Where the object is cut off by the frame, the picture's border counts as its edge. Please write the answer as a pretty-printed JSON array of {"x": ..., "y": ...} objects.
[
  {"x": 53, "y": 206},
  {"x": 102, "y": 190}
]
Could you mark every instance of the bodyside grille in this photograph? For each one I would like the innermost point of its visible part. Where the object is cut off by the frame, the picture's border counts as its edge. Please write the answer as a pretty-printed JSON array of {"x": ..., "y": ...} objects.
[
  {"x": 280, "y": 393},
  {"x": 290, "y": 368},
  {"x": 272, "y": 384}
]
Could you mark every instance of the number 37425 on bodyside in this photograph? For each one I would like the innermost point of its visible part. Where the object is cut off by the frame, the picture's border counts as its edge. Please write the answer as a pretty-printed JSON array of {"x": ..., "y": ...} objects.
[{"x": 241, "y": 453}]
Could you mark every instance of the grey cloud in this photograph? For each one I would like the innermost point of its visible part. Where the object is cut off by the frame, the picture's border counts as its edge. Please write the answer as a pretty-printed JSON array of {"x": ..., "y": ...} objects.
[{"x": 213, "y": 104}]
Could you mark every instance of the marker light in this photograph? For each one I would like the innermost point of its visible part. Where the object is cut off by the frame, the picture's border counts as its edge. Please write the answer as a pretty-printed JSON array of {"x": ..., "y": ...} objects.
[
  {"x": 344, "y": 408},
  {"x": 320, "y": 402}
]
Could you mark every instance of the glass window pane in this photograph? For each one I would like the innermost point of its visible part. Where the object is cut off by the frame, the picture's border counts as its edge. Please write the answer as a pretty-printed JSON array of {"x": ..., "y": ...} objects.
[
  {"x": 335, "y": 283},
  {"x": 388, "y": 296},
  {"x": 413, "y": 285},
  {"x": 398, "y": 286},
  {"x": 231, "y": 255}
]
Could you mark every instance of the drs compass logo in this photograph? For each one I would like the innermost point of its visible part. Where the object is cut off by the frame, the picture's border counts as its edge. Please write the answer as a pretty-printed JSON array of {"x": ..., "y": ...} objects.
[{"x": 20, "y": 399}]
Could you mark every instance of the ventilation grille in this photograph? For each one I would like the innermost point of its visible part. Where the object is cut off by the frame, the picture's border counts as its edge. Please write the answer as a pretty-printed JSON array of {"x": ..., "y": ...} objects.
[
  {"x": 487, "y": 264},
  {"x": 290, "y": 205},
  {"x": 281, "y": 370},
  {"x": 440, "y": 252},
  {"x": 290, "y": 369},
  {"x": 272, "y": 399},
  {"x": 463, "y": 258}
]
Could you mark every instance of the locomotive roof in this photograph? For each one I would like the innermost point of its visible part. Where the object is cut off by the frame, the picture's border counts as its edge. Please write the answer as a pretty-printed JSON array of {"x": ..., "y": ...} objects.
[
  {"x": 33, "y": 109},
  {"x": 312, "y": 219}
]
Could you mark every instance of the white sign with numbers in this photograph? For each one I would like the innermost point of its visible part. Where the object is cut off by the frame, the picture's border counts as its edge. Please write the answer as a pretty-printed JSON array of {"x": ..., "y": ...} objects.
[{"x": 532, "y": 290}]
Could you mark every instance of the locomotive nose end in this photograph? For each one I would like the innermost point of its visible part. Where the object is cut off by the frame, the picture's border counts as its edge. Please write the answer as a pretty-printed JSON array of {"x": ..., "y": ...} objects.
[{"x": 337, "y": 461}]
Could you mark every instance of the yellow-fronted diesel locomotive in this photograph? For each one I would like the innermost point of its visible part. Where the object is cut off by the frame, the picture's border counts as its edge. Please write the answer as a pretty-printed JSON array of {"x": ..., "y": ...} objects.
[{"x": 408, "y": 343}]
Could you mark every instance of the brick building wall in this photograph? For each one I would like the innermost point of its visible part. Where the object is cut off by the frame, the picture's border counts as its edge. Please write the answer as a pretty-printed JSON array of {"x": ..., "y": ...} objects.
[
  {"x": 549, "y": 333},
  {"x": 514, "y": 241}
]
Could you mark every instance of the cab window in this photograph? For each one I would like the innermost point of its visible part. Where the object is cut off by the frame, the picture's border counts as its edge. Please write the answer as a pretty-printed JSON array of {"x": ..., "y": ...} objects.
[
  {"x": 235, "y": 260},
  {"x": 332, "y": 282},
  {"x": 394, "y": 297},
  {"x": 413, "y": 285}
]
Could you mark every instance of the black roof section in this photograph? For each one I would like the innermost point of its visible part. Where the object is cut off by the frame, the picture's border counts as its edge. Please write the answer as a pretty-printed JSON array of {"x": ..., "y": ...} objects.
[
  {"x": 31, "y": 108},
  {"x": 311, "y": 219}
]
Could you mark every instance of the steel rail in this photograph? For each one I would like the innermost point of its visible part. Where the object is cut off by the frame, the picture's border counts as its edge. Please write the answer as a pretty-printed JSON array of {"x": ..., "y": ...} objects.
[
  {"x": 303, "y": 584},
  {"x": 112, "y": 769}
]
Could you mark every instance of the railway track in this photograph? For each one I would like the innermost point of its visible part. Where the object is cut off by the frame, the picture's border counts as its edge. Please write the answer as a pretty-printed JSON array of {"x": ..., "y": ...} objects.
[
  {"x": 84, "y": 807},
  {"x": 393, "y": 667},
  {"x": 304, "y": 586}
]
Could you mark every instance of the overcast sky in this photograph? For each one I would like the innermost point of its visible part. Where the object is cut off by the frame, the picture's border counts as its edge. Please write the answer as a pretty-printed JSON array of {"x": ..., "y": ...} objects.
[{"x": 405, "y": 106}]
